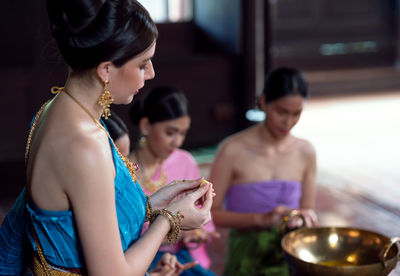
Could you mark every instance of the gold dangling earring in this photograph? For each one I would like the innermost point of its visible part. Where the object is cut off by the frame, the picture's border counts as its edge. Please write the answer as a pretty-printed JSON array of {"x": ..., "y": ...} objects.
[
  {"x": 143, "y": 140},
  {"x": 106, "y": 99}
]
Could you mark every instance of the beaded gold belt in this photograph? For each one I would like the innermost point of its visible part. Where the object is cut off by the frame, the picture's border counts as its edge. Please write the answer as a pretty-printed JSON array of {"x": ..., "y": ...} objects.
[
  {"x": 42, "y": 267},
  {"x": 46, "y": 269}
]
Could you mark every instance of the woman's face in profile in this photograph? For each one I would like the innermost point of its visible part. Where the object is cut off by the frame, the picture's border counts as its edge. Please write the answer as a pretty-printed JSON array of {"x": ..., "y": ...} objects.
[
  {"x": 166, "y": 136},
  {"x": 127, "y": 80},
  {"x": 283, "y": 114}
]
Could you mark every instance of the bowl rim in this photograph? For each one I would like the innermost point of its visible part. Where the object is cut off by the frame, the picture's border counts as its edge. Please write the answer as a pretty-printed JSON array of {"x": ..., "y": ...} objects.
[{"x": 327, "y": 228}]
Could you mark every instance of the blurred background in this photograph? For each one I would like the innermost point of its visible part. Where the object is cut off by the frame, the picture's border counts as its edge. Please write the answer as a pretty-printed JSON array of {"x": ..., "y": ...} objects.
[{"x": 218, "y": 52}]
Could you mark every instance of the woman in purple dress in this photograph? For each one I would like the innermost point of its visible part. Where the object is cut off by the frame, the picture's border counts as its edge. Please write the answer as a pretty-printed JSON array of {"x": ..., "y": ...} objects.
[{"x": 260, "y": 175}]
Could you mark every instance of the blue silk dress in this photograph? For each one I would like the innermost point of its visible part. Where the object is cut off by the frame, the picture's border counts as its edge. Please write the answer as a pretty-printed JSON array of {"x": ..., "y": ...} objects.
[{"x": 57, "y": 231}]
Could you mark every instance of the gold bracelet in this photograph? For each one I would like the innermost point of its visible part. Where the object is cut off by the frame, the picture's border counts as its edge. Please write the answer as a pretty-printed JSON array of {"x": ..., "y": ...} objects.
[
  {"x": 149, "y": 209},
  {"x": 174, "y": 220}
]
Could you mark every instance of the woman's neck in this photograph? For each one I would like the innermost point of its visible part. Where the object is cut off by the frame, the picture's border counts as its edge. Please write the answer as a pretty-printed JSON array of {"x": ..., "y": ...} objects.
[
  {"x": 147, "y": 159},
  {"x": 149, "y": 166},
  {"x": 86, "y": 92},
  {"x": 268, "y": 138}
]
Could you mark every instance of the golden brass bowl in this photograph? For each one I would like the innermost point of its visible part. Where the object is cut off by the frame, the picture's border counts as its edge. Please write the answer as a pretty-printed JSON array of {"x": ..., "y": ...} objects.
[{"x": 339, "y": 251}]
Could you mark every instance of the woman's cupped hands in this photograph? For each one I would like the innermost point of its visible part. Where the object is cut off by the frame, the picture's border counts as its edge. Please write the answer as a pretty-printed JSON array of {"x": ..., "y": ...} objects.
[{"x": 191, "y": 198}]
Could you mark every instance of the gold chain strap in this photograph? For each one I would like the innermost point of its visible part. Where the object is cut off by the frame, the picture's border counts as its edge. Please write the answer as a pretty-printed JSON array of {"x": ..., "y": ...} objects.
[
  {"x": 40, "y": 266},
  {"x": 33, "y": 127}
]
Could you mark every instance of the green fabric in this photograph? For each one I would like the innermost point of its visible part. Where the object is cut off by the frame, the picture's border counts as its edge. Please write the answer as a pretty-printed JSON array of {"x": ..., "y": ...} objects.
[{"x": 255, "y": 253}]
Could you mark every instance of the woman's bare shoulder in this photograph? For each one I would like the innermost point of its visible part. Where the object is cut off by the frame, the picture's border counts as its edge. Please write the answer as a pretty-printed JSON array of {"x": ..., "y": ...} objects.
[
  {"x": 235, "y": 142},
  {"x": 67, "y": 160},
  {"x": 83, "y": 155},
  {"x": 87, "y": 149},
  {"x": 66, "y": 138},
  {"x": 306, "y": 148}
]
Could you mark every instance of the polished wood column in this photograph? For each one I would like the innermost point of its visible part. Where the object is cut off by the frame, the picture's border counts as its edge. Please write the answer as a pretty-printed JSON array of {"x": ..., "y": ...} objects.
[{"x": 254, "y": 53}]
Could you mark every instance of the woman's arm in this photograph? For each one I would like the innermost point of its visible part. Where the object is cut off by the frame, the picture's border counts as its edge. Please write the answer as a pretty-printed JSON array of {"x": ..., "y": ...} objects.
[
  {"x": 222, "y": 175},
  {"x": 88, "y": 179},
  {"x": 308, "y": 192},
  {"x": 307, "y": 201},
  {"x": 89, "y": 183}
]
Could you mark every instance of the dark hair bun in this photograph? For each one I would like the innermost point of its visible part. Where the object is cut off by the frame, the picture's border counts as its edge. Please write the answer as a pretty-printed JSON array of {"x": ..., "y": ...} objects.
[
  {"x": 89, "y": 32},
  {"x": 73, "y": 15}
]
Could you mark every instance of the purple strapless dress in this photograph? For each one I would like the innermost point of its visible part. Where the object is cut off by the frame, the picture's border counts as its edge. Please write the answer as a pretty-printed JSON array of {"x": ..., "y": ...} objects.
[
  {"x": 258, "y": 252},
  {"x": 263, "y": 196}
]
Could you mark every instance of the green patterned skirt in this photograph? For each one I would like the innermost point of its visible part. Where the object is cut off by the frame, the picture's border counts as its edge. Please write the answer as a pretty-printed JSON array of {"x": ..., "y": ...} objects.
[{"x": 255, "y": 253}]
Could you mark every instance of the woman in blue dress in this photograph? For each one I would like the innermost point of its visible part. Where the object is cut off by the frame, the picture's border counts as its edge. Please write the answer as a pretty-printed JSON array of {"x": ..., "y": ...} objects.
[{"x": 82, "y": 209}]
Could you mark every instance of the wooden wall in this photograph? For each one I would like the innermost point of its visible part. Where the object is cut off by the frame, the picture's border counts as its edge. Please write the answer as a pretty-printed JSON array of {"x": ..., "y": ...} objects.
[
  {"x": 28, "y": 67},
  {"x": 331, "y": 34},
  {"x": 189, "y": 59},
  {"x": 219, "y": 71}
]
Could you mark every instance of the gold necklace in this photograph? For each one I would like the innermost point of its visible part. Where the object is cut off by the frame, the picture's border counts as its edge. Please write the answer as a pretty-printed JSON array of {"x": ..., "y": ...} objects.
[
  {"x": 148, "y": 184},
  {"x": 132, "y": 167}
]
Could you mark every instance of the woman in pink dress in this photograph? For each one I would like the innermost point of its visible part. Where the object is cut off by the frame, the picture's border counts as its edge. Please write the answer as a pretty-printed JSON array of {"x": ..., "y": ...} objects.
[{"x": 163, "y": 121}]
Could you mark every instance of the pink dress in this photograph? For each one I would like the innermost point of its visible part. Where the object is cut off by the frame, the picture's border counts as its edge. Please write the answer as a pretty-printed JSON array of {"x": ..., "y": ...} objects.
[{"x": 181, "y": 165}]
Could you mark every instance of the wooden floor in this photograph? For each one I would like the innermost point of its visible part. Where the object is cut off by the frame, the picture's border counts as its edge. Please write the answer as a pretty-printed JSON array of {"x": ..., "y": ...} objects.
[{"x": 357, "y": 142}]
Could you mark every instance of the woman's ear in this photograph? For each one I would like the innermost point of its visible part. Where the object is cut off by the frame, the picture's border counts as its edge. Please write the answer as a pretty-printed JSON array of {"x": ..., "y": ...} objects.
[
  {"x": 144, "y": 126},
  {"x": 261, "y": 103},
  {"x": 103, "y": 70}
]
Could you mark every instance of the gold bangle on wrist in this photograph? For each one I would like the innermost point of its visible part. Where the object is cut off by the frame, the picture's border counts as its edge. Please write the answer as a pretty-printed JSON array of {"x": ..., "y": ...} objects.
[
  {"x": 174, "y": 220},
  {"x": 149, "y": 209}
]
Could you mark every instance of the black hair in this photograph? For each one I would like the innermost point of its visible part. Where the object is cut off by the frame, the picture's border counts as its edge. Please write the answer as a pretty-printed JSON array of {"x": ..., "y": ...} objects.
[
  {"x": 116, "y": 126},
  {"x": 160, "y": 104},
  {"x": 284, "y": 81},
  {"x": 89, "y": 32}
]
